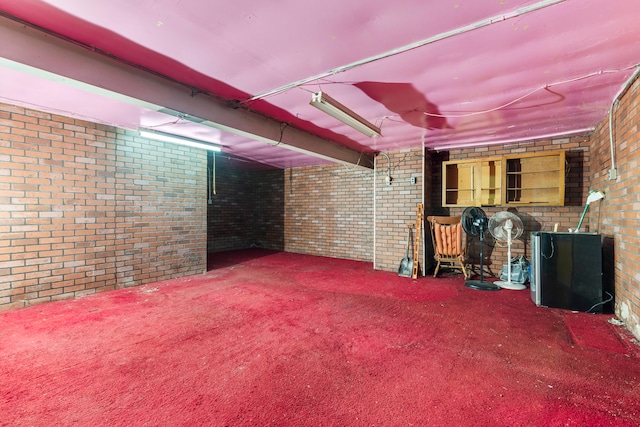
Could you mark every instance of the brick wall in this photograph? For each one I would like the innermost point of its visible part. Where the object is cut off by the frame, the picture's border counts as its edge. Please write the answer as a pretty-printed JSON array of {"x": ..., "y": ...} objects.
[
  {"x": 247, "y": 209},
  {"x": 86, "y": 208},
  {"x": 160, "y": 210},
  {"x": 328, "y": 211},
  {"x": 267, "y": 210},
  {"x": 322, "y": 210},
  {"x": 396, "y": 205},
  {"x": 229, "y": 214},
  {"x": 616, "y": 217}
]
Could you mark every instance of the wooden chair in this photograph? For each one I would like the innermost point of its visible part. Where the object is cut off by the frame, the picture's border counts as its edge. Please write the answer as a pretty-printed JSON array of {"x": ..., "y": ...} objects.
[{"x": 448, "y": 242}]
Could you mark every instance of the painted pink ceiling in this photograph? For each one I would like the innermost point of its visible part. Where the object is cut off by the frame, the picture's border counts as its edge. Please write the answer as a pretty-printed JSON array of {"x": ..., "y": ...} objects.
[{"x": 550, "y": 72}]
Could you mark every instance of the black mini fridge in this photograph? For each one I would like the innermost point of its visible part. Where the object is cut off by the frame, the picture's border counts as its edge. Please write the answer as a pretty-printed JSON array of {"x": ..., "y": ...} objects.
[{"x": 566, "y": 271}]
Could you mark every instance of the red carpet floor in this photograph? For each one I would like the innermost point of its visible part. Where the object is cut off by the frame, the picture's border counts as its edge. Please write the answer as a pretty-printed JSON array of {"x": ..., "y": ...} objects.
[{"x": 269, "y": 338}]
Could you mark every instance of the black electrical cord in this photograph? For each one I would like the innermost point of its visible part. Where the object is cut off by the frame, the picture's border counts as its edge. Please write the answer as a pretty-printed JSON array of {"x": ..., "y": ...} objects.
[{"x": 601, "y": 303}]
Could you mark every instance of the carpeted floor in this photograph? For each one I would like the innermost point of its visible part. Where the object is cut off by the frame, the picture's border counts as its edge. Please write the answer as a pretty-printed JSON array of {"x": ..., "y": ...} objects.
[{"x": 269, "y": 338}]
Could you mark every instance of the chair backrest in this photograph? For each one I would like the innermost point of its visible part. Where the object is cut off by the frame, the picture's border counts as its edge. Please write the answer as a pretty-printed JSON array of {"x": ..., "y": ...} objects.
[{"x": 447, "y": 235}]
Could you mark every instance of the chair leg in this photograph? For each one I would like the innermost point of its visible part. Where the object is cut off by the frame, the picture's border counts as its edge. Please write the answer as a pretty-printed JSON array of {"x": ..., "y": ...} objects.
[
  {"x": 435, "y": 272},
  {"x": 464, "y": 270}
]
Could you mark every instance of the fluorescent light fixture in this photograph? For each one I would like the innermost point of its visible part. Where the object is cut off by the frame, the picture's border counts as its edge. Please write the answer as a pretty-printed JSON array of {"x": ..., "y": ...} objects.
[
  {"x": 324, "y": 102},
  {"x": 176, "y": 139}
]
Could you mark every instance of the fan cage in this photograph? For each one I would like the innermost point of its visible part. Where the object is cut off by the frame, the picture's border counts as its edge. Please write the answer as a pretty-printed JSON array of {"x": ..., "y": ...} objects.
[
  {"x": 497, "y": 222},
  {"x": 469, "y": 218}
]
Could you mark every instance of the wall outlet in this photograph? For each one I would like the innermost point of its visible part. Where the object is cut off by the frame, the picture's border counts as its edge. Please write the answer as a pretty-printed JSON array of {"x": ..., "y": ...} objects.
[
  {"x": 413, "y": 180},
  {"x": 613, "y": 173}
]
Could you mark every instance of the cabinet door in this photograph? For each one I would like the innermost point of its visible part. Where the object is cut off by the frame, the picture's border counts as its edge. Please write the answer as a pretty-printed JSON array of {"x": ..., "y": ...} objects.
[
  {"x": 458, "y": 184},
  {"x": 490, "y": 191},
  {"x": 472, "y": 182},
  {"x": 534, "y": 179}
]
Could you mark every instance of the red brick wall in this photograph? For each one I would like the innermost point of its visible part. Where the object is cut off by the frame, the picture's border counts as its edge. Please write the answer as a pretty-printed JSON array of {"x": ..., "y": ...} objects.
[
  {"x": 396, "y": 205},
  {"x": 323, "y": 210},
  {"x": 229, "y": 214},
  {"x": 328, "y": 211},
  {"x": 617, "y": 216},
  {"x": 267, "y": 210},
  {"x": 86, "y": 208},
  {"x": 247, "y": 209}
]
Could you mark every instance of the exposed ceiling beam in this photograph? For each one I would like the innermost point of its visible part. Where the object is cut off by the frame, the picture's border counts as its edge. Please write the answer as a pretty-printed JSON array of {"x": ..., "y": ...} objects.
[{"x": 34, "y": 51}]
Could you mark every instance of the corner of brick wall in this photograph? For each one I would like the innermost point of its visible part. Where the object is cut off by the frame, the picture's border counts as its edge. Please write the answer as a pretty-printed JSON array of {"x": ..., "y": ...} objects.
[
  {"x": 247, "y": 206},
  {"x": 86, "y": 208},
  {"x": 396, "y": 206}
]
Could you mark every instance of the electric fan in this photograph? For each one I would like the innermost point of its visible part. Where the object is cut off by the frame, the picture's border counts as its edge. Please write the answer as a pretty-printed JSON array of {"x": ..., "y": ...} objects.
[
  {"x": 474, "y": 223},
  {"x": 506, "y": 227}
]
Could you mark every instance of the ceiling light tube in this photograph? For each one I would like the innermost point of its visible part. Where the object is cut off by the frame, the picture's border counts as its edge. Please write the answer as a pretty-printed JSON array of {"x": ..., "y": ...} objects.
[
  {"x": 176, "y": 139},
  {"x": 324, "y": 102}
]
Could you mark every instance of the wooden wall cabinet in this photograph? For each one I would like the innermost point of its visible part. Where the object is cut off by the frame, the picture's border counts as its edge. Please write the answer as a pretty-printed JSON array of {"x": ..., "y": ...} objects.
[
  {"x": 532, "y": 179},
  {"x": 535, "y": 179},
  {"x": 472, "y": 182}
]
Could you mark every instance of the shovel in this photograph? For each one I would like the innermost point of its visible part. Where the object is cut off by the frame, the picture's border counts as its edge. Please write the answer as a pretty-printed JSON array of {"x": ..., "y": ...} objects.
[{"x": 406, "y": 265}]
